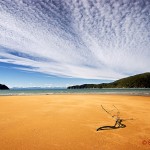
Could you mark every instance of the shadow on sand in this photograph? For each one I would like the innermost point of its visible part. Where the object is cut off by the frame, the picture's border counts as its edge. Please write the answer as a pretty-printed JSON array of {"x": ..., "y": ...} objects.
[{"x": 111, "y": 127}]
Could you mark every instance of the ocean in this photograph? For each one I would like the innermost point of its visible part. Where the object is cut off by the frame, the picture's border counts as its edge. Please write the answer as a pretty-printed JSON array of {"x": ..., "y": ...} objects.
[{"x": 134, "y": 91}]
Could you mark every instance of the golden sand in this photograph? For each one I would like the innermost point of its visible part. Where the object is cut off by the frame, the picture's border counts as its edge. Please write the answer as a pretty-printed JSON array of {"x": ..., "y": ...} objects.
[{"x": 69, "y": 122}]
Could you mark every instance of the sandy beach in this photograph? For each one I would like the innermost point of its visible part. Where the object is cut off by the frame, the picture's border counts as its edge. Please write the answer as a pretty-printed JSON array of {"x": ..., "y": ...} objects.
[{"x": 69, "y": 122}]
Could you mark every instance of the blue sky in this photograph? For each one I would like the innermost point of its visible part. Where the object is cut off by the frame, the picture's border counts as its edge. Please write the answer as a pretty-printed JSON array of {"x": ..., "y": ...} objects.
[
  {"x": 51, "y": 43},
  {"x": 20, "y": 78}
]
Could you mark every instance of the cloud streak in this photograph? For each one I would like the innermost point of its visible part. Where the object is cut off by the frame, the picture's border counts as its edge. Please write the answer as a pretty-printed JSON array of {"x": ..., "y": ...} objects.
[{"x": 97, "y": 39}]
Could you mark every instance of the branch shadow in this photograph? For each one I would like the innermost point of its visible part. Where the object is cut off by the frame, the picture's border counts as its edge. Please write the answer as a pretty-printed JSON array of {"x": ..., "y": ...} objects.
[{"x": 110, "y": 127}]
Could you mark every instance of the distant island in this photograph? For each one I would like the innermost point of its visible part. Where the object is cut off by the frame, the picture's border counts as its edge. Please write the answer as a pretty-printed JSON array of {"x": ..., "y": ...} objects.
[
  {"x": 3, "y": 87},
  {"x": 136, "y": 81}
]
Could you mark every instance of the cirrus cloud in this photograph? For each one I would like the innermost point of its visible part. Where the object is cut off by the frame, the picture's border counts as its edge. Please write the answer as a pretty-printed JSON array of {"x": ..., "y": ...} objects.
[{"x": 98, "y": 39}]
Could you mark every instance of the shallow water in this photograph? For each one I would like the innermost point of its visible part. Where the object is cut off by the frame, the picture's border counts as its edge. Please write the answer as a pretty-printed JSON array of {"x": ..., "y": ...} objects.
[{"x": 133, "y": 91}]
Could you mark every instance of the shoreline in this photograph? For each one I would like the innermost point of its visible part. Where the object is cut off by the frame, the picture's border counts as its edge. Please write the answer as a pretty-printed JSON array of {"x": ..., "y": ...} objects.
[
  {"x": 28, "y": 92},
  {"x": 104, "y": 94}
]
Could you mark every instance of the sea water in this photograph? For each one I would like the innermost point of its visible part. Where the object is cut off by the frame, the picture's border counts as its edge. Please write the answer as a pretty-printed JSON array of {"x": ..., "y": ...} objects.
[{"x": 123, "y": 91}]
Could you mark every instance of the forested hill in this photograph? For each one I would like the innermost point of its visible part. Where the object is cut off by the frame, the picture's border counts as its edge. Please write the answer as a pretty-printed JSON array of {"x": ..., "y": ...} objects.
[
  {"x": 136, "y": 81},
  {"x": 3, "y": 87}
]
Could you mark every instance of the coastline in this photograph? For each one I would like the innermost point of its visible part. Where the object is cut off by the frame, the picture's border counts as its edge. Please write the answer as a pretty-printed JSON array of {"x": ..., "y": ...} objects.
[
  {"x": 65, "y": 121},
  {"x": 106, "y": 91},
  {"x": 73, "y": 94}
]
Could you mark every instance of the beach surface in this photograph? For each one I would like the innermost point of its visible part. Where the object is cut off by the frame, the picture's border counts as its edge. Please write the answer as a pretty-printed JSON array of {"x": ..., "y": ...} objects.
[{"x": 69, "y": 122}]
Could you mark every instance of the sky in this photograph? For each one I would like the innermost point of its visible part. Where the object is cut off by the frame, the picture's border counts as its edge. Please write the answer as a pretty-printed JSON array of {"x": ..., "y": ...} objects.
[{"x": 57, "y": 43}]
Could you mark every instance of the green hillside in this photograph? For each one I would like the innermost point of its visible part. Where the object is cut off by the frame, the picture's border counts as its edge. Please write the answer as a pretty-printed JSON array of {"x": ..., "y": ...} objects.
[{"x": 136, "y": 81}]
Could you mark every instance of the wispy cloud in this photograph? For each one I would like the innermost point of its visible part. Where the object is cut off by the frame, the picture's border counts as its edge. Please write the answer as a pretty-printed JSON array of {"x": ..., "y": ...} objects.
[{"x": 99, "y": 39}]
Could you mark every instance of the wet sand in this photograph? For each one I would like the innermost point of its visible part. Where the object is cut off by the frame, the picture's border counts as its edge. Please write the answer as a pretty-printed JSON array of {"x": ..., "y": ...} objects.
[{"x": 69, "y": 122}]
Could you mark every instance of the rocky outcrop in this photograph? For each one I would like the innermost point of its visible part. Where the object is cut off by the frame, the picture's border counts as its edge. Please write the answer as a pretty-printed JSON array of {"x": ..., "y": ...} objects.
[{"x": 3, "y": 87}]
